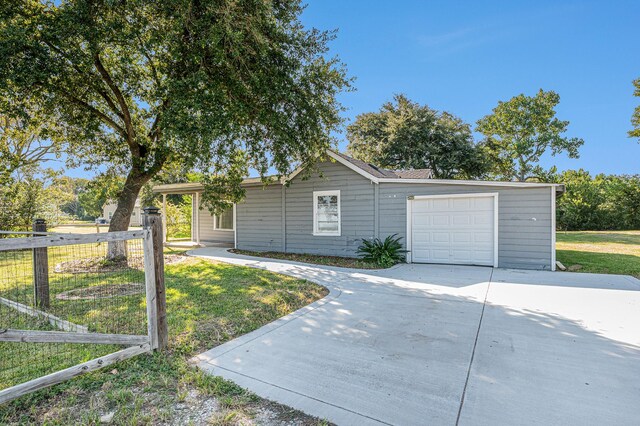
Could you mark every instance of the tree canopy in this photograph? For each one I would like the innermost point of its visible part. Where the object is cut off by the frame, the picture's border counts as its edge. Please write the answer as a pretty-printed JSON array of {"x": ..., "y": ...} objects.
[
  {"x": 219, "y": 86},
  {"x": 635, "y": 118},
  {"x": 520, "y": 131},
  {"x": 406, "y": 135},
  {"x": 23, "y": 144},
  {"x": 598, "y": 202}
]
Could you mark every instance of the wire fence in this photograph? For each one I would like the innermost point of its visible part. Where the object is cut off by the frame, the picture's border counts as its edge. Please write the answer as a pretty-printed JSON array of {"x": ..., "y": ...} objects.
[{"x": 67, "y": 304}]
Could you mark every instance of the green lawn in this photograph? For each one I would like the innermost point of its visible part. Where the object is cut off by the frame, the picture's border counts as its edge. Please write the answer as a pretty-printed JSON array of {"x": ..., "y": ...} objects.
[
  {"x": 207, "y": 304},
  {"x": 608, "y": 252}
]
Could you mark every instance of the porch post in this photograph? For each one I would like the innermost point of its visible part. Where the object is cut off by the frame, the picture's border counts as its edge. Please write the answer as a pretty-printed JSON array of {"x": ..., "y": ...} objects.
[
  {"x": 197, "y": 217},
  {"x": 164, "y": 218}
]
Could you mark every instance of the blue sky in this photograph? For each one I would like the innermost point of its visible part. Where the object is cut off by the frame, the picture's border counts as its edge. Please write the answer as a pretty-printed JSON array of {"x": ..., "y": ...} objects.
[{"x": 463, "y": 57}]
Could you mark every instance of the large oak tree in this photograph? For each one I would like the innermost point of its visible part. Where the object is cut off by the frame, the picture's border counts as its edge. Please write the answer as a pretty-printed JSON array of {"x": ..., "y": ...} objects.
[
  {"x": 519, "y": 131},
  {"x": 216, "y": 85},
  {"x": 406, "y": 135}
]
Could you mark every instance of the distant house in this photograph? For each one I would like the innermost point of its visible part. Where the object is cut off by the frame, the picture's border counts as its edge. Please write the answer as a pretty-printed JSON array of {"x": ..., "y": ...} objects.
[
  {"x": 464, "y": 222},
  {"x": 136, "y": 216}
]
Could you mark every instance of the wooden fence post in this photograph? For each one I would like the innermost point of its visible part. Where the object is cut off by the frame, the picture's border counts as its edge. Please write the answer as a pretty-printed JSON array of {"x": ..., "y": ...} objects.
[
  {"x": 152, "y": 220},
  {"x": 40, "y": 269}
]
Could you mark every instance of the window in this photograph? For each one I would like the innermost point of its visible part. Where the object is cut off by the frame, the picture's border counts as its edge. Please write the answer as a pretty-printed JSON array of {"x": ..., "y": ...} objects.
[
  {"x": 110, "y": 215},
  {"x": 326, "y": 213},
  {"x": 224, "y": 221}
]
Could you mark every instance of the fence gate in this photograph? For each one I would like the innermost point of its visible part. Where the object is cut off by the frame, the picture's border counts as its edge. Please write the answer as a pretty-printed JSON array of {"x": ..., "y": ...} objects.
[{"x": 68, "y": 306}]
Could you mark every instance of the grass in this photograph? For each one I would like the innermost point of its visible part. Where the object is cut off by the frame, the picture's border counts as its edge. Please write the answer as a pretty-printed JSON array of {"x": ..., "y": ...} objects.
[
  {"x": 607, "y": 252},
  {"x": 345, "y": 262},
  {"x": 207, "y": 304}
]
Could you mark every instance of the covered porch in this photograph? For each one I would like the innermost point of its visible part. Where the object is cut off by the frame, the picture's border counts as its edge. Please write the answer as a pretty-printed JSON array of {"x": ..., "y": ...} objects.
[{"x": 206, "y": 229}]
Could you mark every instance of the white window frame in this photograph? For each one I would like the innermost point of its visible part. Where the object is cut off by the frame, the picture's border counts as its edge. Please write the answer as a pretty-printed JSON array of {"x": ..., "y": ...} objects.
[
  {"x": 317, "y": 233},
  {"x": 233, "y": 226}
]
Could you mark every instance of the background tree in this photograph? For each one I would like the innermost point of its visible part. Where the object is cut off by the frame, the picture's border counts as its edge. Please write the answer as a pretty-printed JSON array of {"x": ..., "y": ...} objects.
[
  {"x": 75, "y": 187},
  {"x": 222, "y": 86},
  {"x": 635, "y": 118},
  {"x": 601, "y": 202},
  {"x": 520, "y": 131},
  {"x": 406, "y": 135},
  {"x": 23, "y": 142},
  {"x": 97, "y": 192}
]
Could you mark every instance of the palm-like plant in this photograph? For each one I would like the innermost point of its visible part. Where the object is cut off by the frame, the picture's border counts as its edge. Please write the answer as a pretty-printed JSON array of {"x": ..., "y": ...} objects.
[{"x": 384, "y": 253}]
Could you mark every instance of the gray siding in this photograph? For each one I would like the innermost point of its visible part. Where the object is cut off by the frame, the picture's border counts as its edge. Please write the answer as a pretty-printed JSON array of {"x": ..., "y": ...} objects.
[
  {"x": 280, "y": 218},
  {"x": 356, "y": 211},
  {"x": 522, "y": 242},
  {"x": 259, "y": 219},
  {"x": 207, "y": 233}
]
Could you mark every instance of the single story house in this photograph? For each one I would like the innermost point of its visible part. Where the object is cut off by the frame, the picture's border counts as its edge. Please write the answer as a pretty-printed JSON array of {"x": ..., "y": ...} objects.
[
  {"x": 466, "y": 222},
  {"x": 136, "y": 215}
]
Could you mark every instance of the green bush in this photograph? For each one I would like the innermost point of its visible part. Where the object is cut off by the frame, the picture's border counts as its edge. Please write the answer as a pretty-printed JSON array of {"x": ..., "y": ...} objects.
[
  {"x": 179, "y": 220},
  {"x": 598, "y": 203},
  {"x": 383, "y": 253}
]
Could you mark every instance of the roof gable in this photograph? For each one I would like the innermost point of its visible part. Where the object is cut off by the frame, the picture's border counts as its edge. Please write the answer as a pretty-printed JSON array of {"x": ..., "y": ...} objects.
[{"x": 376, "y": 173}]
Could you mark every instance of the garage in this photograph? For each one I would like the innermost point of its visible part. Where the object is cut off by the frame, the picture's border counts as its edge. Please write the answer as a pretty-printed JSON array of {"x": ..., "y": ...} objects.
[{"x": 460, "y": 229}]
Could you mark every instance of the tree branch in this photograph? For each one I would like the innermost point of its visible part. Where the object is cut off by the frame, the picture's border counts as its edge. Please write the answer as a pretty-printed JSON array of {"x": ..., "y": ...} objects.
[
  {"x": 146, "y": 55},
  {"x": 89, "y": 76},
  {"x": 154, "y": 132},
  {"x": 123, "y": 104},
  {"x": 104, "y": 117}
]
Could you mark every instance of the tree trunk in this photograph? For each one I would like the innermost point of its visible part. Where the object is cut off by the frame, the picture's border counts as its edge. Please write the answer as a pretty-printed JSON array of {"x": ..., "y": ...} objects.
[{"x": 117, "y": 250}]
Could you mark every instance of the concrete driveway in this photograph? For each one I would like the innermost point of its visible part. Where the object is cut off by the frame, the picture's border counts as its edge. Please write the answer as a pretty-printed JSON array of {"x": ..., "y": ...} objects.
[{"x": 435, "y": 344}]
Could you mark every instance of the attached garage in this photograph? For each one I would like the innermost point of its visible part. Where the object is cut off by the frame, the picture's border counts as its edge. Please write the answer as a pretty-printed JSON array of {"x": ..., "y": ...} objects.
[{"x": 460, "y": 229}]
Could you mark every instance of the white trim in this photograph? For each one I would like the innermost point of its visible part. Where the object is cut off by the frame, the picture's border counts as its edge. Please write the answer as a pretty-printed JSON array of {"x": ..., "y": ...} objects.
[
  {"x": 316, "y": 233},
  {"x": 553, "y": 229},
  {"x": 470, "y": 182},
  {"x": 460, "y": 195},
  {"x": 496, "y": 224},
  {"x": 293, "y": 174},
  {"x": 233, "y": 214},
  {"x": 409, "y": 226},
  {"x": 352, "y": 166},
  {"x": 197, "y": 206},
  {"x": 235, "y": 228},
  {"x": 164, "y": 218},
  {"x": 496, "y": 233}
]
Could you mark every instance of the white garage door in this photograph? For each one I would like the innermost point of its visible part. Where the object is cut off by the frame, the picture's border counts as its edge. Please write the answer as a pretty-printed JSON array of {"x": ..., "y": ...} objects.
[{"x": 456, "y": 230}]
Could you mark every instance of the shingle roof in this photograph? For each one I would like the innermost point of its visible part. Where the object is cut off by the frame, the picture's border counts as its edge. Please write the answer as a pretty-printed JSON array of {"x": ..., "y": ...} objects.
[
  {"x": 415, "y": 174},
  {"x": 367, "y": 167},
  {"x": 384, "y": 173}
]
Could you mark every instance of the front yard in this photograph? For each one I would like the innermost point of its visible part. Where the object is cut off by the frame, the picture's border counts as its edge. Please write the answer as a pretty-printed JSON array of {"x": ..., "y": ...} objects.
[
  {"x": 207, "y": 304},
  {"x": 607, "y": 252}
]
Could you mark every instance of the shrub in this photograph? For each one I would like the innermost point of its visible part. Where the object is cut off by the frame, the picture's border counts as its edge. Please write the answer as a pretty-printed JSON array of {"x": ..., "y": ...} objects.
[{"x": 383, "y": 253}]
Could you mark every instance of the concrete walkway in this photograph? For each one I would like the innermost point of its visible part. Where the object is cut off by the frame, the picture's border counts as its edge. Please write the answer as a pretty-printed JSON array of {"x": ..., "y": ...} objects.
[{"x": 436, "y": 344}]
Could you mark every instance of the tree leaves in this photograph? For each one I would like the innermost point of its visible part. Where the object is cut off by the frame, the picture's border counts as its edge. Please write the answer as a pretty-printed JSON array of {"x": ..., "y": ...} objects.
[
  {"x": 520, "y": 130},
  {"x": 598, "y": 202},
  {"x": 406, "y": 135},
  {"x": 141, "y": 84},
  {"x": 635, "y": 118}
]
